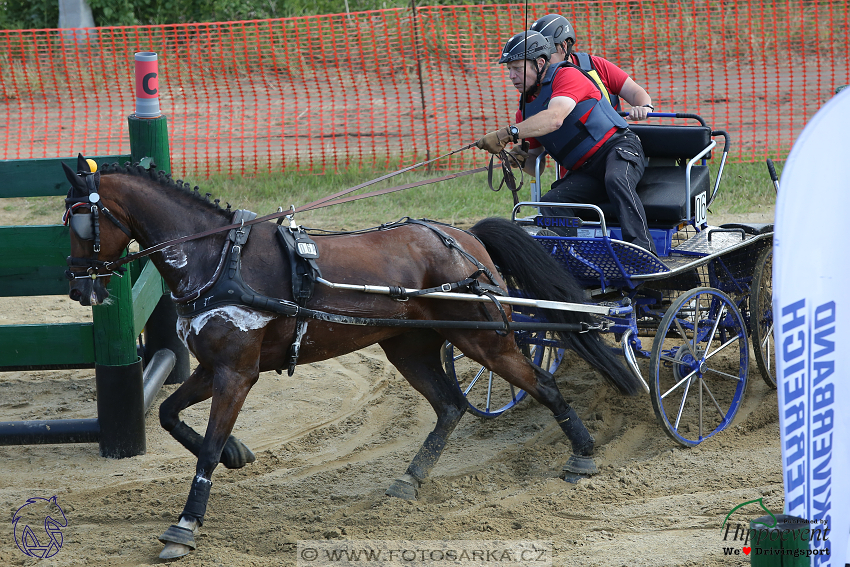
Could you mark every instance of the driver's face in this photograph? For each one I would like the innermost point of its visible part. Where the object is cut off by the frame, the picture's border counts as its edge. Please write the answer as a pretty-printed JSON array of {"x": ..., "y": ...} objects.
[{"x": 523, "y": 74}]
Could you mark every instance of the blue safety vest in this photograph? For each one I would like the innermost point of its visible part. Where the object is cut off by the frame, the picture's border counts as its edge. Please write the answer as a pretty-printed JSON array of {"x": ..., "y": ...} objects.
[{"x": 582, "y": 129}]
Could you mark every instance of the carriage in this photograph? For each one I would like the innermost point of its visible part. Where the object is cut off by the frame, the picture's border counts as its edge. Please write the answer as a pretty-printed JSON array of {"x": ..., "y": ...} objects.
[{"x": 695, "y": 308}]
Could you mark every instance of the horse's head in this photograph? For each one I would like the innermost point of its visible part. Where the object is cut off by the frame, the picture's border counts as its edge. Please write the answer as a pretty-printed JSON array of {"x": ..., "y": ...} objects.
[{"x": 97, "y": 236}]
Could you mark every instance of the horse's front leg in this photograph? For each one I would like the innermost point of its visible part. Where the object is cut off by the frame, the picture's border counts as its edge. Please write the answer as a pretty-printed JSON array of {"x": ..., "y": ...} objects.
[
  {"x": 197, "y": 388},
  {"x": 230, "y": 389}
]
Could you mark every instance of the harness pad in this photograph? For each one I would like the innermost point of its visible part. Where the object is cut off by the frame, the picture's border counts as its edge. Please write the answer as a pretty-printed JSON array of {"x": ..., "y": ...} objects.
[{"x": 302, "y": 252}]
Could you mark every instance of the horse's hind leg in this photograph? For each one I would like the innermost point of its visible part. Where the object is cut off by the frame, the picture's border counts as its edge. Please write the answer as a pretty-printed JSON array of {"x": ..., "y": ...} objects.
[
  {"x": 417, "y": 357},
  {"x": 503, "y": 357},
  {"x": 197, "y": 388}
]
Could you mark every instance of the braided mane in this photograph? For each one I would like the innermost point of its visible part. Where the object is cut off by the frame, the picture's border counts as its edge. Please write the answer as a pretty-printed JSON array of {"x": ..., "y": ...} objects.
[{"x": 165, "y": 180}]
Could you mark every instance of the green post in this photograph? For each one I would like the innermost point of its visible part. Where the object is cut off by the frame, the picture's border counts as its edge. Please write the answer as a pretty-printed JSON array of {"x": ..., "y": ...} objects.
[
  {"x": 149, "y": 138},
  {"x": 114, "y": 335},
  {"x": 785, "y": 544}
]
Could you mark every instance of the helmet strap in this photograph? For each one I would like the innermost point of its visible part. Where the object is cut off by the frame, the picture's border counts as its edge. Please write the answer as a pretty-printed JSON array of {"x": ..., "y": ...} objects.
[
  {"x": 540, "y": 72},
  {"x": 568, "y": 50}
]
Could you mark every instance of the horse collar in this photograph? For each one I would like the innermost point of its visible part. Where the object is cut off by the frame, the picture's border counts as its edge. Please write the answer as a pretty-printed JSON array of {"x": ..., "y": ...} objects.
[{"x": 226, "y": 286}]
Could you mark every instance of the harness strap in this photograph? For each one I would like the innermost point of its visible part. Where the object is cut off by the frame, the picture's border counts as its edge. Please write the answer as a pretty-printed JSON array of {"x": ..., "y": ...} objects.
[{"x": 452, "y": 243}]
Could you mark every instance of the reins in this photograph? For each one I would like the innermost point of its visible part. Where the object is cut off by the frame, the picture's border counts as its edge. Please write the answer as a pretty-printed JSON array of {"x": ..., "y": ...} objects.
[
  {"x": 323, "y": 202},
  {"x": 337, "y": 199}
]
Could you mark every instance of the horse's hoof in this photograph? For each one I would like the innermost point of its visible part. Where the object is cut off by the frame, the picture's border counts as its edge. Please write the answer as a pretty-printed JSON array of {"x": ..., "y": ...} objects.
[
  {"x": 178, "y": 542},
  {"x": 577, "y": 465},
  {"x": 174, "y": 551},
  {"x": 235, "y": 454},
  {"x": 404, "y": 487}
]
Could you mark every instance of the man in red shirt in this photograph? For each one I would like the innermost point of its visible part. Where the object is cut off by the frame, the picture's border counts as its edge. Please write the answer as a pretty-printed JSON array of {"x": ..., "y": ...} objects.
[
  {"x": 614, "y": 80},
  {"x": 567, "y": 113}
]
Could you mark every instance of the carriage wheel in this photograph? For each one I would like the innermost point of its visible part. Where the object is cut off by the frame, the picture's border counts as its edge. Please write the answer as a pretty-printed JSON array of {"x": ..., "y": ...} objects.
[
  {"x": 761, "y": 317},
  {"x": 488, "y": 394},
  {"x": 699, "y": 365}
]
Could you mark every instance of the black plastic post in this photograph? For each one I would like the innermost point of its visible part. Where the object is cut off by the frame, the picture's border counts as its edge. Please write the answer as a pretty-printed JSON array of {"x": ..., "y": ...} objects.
[
  {"x": 784, "y": 543},
  {"x": 161, "y": 333},
  {"x": 121, "y": 410},
  {"x": 49, "y": 431}
]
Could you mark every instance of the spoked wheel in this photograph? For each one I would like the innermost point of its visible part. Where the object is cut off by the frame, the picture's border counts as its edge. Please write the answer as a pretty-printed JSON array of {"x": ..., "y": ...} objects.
[
  {"x": 761, "y": 316},
  {"x": 488, "y": 394},
  {"x": 699, "y": 364}
]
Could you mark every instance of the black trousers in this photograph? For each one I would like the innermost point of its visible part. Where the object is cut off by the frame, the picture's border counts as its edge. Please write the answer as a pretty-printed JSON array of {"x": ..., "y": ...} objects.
[{"x": 618, "y": 165}]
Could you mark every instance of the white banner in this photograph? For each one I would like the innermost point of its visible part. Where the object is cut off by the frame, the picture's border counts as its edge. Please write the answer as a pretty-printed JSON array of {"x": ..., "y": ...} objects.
[{"x": 811, "y": 313}]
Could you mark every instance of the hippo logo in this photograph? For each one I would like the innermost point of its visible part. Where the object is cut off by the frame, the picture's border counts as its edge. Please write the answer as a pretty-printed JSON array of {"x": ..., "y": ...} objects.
[{"x": 38, "y": 527}]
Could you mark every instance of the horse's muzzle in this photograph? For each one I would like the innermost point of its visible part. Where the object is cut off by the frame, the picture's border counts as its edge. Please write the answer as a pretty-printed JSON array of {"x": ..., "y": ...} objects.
[{"x": 88, "y": 291}]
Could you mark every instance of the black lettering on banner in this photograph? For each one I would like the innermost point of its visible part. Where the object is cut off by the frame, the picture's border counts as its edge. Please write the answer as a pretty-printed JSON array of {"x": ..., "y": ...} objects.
[{"x": 145, "y": 80}]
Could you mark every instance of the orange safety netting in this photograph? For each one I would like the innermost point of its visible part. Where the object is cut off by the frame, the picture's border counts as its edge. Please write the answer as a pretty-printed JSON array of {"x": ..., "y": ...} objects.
[{"x": 390, "y": 87}]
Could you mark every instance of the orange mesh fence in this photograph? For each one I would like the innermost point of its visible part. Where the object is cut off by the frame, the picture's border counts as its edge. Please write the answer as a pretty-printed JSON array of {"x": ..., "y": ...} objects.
[{"x": 390, "y": 87}]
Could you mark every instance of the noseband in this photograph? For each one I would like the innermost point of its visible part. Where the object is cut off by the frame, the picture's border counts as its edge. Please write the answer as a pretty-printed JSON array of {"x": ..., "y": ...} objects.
[{"x": 86, "y": 225}]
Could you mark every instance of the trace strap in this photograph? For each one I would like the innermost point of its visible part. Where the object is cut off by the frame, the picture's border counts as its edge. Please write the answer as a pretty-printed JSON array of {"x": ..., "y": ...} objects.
[{"x": 324, "y": 202}]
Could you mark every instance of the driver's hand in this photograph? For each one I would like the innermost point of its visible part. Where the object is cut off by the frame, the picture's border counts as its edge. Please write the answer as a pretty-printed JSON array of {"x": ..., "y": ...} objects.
[
  {"x": 638, "y": 113},
  {"x": 495, "y": 141}
]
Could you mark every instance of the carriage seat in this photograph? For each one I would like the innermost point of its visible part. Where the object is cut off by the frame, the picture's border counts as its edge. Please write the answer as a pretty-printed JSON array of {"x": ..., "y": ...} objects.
[{"x": 662, "y": 188}]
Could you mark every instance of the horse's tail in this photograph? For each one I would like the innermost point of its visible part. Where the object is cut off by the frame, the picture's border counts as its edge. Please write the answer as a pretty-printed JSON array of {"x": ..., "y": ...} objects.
[{"x": 526, "y": 265}]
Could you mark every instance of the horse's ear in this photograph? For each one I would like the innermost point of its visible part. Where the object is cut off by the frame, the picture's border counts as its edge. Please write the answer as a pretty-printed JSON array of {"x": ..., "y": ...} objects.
[
  {"x": 70, "y": 174},
  {"x": 82, "y": 164},
  {"x": 75, "y": 180}
]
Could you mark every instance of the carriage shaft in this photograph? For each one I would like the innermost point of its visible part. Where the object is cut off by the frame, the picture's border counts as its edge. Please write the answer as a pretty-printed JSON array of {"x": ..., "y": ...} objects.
[{"x": 523, "y": 302}]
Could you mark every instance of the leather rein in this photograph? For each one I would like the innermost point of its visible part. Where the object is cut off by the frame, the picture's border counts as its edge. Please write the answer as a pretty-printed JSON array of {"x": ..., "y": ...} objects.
[{"x": 96, "y": 266}]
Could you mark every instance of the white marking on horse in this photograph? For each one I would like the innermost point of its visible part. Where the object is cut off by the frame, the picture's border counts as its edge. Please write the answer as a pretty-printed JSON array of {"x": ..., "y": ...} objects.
[
  {"x": 242, "y": 317},
  {"x": 175, "y": 257}
]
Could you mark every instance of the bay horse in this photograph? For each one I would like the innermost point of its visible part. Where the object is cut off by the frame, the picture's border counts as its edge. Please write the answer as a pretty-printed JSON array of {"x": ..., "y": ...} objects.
[{"x": 234, "y": 343}]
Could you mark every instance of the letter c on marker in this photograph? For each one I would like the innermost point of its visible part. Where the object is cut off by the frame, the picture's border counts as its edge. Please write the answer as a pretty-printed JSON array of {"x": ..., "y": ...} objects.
[{"x": 145, "y": 81}]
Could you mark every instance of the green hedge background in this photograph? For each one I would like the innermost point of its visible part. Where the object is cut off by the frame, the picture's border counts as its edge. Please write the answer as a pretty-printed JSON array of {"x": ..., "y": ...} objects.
[{"x": 40, "y": 14}]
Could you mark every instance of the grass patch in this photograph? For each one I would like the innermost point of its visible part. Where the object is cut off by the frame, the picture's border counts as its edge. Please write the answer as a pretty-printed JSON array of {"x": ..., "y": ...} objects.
[{"x": 745, "y": 188}]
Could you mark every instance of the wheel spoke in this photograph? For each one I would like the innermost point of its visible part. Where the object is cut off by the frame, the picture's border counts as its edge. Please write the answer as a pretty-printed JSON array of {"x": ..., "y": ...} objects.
[
  {"x": 716, "y": 324},
  {"x": 474, "y": 380},
  {"x": 682, "y": 404},
  {"x": 458, "y": 357},
  {"x": 736, "y": 338},
  {"x": 685, "y": 338},
  {"x": 700, "y": 385},
  {"x": 710, "y": 395},
  {"x": 696, "y": 327},
  {"x": 489, "y": 391},
  {"x": 735, "y": 378},
  {"x": 767, "y": 334},
  {"x": 679, "y": 383}
]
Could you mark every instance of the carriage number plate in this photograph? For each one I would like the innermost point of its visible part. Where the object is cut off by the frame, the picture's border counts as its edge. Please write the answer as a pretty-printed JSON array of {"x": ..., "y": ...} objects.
[{"x": 700, "y": 208}]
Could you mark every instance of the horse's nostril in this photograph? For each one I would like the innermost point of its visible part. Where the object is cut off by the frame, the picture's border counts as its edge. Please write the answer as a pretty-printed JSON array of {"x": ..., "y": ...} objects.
[{"x": 75, "y": 295}]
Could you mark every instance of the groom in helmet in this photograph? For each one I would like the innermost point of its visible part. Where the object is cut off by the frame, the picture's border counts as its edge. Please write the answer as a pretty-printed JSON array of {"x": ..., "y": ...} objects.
[{"x": 564, "y": 110}]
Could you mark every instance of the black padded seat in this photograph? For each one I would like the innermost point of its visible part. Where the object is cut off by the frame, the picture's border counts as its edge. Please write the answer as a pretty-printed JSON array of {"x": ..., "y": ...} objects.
[
  {"x": 662, "y": 192},
  {"x": 662, "y": 188}
]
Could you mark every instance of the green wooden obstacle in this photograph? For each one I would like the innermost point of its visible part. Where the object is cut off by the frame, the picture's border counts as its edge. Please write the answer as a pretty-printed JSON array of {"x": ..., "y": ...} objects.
[{"x": 33, "y": 263}]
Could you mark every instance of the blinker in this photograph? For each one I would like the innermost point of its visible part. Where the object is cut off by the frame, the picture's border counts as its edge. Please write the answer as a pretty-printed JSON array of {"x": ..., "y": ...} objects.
[{"x": 81, "y": 224}]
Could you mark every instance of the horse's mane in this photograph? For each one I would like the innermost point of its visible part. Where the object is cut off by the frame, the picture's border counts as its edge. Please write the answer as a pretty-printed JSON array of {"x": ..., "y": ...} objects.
[{"x": 164, "y": 179}]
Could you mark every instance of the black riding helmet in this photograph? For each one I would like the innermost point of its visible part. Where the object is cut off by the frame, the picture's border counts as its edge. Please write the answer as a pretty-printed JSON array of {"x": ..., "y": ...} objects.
[
  {"x": 557, "y": 28},
  {"x": 528, "y": 45}
]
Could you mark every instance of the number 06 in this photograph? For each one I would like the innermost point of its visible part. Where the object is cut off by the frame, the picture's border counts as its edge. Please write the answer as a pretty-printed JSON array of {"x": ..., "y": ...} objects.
[{"x": 700, "y": 208}]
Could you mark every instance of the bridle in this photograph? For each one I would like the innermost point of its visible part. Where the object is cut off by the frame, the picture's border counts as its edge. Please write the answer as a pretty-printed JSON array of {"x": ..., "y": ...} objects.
[{"x": 86, "y": 225}]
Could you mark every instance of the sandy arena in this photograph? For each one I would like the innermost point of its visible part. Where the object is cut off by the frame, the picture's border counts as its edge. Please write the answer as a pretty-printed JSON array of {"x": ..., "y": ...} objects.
[{"x": 330, "y": 439}]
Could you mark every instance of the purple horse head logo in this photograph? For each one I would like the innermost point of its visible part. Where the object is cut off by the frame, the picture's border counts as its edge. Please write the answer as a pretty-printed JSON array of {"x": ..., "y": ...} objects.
[{"x": 43, "y": 514}]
